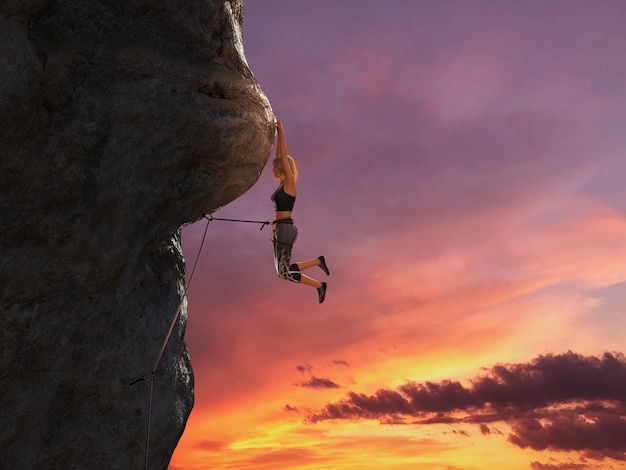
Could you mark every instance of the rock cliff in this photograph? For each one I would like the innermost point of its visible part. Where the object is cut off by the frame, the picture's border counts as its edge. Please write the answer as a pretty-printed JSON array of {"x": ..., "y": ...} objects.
[{"x": 120, "y": 121}]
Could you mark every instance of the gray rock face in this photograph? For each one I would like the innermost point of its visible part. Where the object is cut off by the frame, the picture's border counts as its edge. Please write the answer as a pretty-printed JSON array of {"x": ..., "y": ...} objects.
[{"x": 120, "y": 121}]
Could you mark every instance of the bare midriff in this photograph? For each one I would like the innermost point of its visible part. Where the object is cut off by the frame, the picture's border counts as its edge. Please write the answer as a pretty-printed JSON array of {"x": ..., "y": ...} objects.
[{"x": 283, "y": 214}]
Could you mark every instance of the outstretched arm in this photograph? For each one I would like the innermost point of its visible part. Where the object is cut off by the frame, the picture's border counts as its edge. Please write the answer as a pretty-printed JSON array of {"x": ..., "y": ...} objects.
[
  {"x": 282, "y": 153},
  {"x": 281, "y": 145}
]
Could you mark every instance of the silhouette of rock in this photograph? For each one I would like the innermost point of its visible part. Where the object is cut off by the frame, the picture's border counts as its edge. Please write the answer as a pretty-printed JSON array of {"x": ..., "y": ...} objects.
[{"x": 120, "y": 121}]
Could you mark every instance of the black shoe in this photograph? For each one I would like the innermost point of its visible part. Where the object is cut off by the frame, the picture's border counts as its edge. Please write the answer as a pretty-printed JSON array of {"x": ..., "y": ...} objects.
[
  {"x": 321, "y": 292},
  {"x": 323, "y": 265}
]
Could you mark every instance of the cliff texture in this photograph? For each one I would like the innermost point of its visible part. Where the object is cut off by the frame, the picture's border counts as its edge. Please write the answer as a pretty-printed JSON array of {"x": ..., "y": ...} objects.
[{"x": 120, "y": 121}]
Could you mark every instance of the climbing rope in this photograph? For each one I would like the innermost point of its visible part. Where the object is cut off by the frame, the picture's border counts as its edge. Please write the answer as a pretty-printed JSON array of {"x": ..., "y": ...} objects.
[
  {"x": 263, "y": 223},
  {"x": 152, "y": 374}
]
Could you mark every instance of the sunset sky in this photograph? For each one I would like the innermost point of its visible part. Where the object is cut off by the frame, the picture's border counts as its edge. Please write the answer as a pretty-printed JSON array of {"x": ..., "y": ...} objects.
[{"x": 462, "y": 168}]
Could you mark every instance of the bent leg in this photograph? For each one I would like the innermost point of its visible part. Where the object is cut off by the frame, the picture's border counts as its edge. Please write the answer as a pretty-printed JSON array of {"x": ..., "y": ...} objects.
[
  {"x": 309, "y": 281},
  {"x": 284, "y": 268},
  {"x": 319, "y": 261},
  {"x": 294, "y": 273},
  {"x": 302, "y": 265},
  {"x": 284, "y": 237}
]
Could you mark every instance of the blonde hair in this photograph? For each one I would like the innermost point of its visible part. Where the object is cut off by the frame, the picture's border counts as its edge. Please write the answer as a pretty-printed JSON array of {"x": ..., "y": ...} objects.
[{"x": 279, "y": 170}]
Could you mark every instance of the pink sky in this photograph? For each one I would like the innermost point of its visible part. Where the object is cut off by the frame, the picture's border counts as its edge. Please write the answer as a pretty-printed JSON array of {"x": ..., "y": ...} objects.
[{"x": 462, "y": 170}]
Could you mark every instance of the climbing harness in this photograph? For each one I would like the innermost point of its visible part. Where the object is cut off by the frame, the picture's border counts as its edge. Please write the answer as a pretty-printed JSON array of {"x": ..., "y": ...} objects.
[{"x": 152, "y": 374}]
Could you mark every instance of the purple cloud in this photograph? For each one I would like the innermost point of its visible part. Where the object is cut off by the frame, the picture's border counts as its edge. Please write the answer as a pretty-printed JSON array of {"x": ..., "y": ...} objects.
[
  {"x": 565, "y": 402},
  {"x": 304, "y": 368},
  {"x": 595, "y": 434},
  {"x": 317, "y": 382}
]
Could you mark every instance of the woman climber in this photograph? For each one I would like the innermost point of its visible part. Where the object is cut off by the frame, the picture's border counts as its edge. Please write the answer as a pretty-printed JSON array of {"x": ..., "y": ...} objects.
[{"x": 285, "y": 231}]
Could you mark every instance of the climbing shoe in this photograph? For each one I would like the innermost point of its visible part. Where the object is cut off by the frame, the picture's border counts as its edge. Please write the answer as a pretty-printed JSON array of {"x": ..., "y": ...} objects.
[
  {"x": 321, "y": 292},
  {"x": 323, "y": 265}
]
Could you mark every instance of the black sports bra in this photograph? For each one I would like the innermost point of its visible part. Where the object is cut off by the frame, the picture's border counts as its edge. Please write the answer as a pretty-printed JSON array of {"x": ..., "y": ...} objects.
[{"x": 283, "y": 201}]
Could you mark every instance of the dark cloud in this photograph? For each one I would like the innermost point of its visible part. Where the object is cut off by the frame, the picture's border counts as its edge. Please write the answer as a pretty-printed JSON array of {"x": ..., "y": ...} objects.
[
  {"x": 340, "y": 362},
  {"x": 565, "y": 402},
  {"x": 304, "y": 368},
  {"x": 317, "y": 382},
  {"x": 589, "y": 433}
]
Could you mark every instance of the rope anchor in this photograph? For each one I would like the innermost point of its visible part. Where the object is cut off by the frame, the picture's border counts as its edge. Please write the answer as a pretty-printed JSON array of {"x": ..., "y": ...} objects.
[{"x": 144, "y": 378}]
